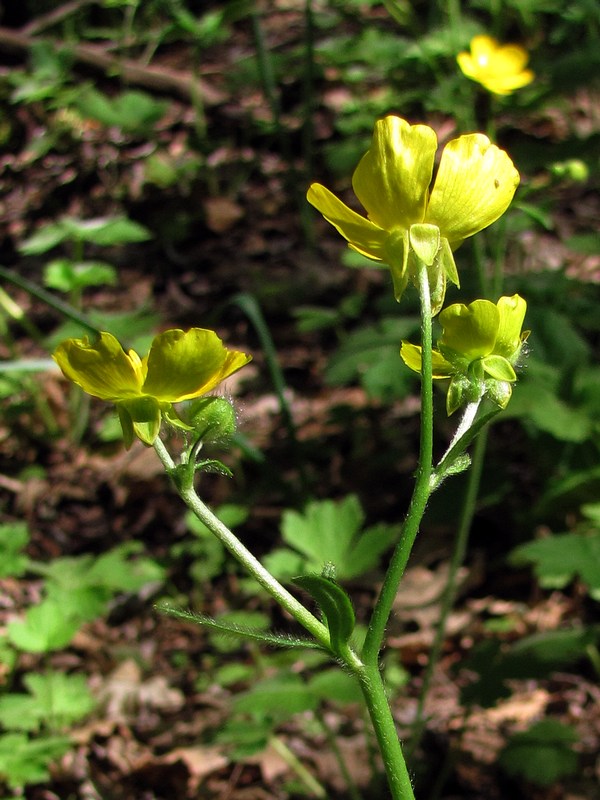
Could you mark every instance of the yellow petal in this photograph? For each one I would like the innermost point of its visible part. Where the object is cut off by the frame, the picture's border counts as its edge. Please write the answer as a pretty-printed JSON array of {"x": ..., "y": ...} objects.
[
  {"x": 512, "y": 313},
  {"x": 101, "y": 368},
  {"x": 186, "y": 364},
  {"x": 483, "y": 48},
  {"x": 469, "y": 330},
  {"x": 411, "y": 355},
  {"x": 509, "y": 59},
  {"x": 392, "y": 179},
  {"x": 474, "y": 186},
  {"x": 506, "y": 84},
  {"x": 364, "y": 236}
]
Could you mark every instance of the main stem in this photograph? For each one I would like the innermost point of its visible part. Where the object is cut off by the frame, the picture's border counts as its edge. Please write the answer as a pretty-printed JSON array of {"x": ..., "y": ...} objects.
[
  {"x": 421, "y": 492},
  {"x": 385, "y": 731},
  {"x": 458, "y": 556}
]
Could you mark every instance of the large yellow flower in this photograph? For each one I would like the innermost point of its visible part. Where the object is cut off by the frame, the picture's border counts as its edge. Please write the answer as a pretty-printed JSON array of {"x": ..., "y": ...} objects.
[
  {"x": 180, "y": 365},
  {"x": 500, "y": 68},
  {"x": 406, "y": 220}
]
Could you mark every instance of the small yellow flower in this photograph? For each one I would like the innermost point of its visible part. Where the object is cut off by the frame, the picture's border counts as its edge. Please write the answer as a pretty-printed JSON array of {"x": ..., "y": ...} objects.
[
  {"x": 478, "y": 348},
  {"x": 406, "y": 219},
  {"x": 500, "y": 68},
  {"x": 180, "y": 365}
]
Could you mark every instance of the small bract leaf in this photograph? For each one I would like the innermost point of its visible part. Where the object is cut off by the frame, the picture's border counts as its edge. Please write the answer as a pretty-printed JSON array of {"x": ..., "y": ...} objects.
[{"x": 335, "y": 605}]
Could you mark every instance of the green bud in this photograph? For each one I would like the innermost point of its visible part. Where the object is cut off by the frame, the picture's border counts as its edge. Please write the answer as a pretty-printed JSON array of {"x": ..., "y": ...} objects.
[
  {"x": 213, "y": 418},
  {"x": 574, "y": 169}
]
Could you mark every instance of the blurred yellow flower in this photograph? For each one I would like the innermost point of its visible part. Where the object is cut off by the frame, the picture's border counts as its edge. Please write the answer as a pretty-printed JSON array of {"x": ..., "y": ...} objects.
[
  {"x": 500, "y": 68},
  {"x": 406, "y": 219},
  {"x": 181, "y": 365}
]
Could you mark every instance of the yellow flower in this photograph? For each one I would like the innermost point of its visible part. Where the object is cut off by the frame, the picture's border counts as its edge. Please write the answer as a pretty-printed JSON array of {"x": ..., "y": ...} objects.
[
  {"x": 500, "y": 68},
  {"x": 478, "y": 348},
  {"x": 180, "y": 365},
  {"x": 406, "y": 219}
]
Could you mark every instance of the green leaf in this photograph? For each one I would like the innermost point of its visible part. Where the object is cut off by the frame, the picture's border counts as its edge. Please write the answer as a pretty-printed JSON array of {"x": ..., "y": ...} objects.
[
  {"x": 68, "y": 276},
  {"x": 333, "y": 685},
  {"x": 24, "y": 761},
  {"x": 55, "y": 700},
  {"x": 370, "y": 356},
  {"x": 284, "y": 564},
  {"x": 335, "y": 605},
  {"x": 534, "y": 656},
  {"x": 83, "y": 585},
  {"x": 105, "y": 231},
  {"x": 19, "y": 712},
  {"x": 331, "y": 532},
  {"x": 14, "y": 537},
  {"x": 230, "y": 628},
  {"x": 44, "y": 239},
  {"x": 132, "y": 111},
  {"x": 278, "y": 698},
  {"x": 558, "y": 560},
  {"x": 543, "y": 754},
  {"x": 61, "y": 699},
  {"x": 539, "y": 406},
  {"x": 45, "y": 628}
]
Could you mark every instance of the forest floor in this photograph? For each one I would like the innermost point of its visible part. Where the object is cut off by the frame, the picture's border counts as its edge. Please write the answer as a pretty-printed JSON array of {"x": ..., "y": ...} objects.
[{"x": 242, "y": 231}]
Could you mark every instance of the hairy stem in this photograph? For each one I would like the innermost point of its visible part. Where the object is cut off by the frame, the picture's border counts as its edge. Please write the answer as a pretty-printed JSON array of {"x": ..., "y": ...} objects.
[
  {"x": 421, "y": 492},
  {"x": 230, "y": 541},
  {"x": 458, "y": 555}
]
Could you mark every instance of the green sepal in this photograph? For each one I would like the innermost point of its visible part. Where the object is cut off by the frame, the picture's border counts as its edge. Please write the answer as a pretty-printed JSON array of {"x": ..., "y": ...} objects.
[
  {"x": 499, "y": 368},
  {"x": 425, "y": 242},
  {"x": 437, "y": 288},
  {"x": 126, "y": 425},
  {"x": 447, "y": 262},
  {"x": 175, "y": 420},
  {"x": 139, "y": 416},
  {"x": 239, "y": 631},
  {"x": 397, "y": 250},
  {"x": 335, "y": 606},
  {"x": 214, "y": 466},
  {"x": 458, "y": 391},
  {"x": 499, "y": 391}
]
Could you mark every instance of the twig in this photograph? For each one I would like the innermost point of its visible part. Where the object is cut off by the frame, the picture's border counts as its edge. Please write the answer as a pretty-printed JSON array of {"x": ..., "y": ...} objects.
[
  {"x": 158, "y": 79},
  {"x": 44, "y": 21}
]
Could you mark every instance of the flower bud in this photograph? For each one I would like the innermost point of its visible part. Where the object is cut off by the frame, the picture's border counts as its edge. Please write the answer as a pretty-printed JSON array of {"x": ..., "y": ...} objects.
[{"x": 213, "y": 418}]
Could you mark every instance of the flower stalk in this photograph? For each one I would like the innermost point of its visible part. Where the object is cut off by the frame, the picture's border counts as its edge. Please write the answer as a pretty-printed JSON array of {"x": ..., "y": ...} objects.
[
  {"x": 230, "y": 541},
  {"x": 421, "y": 492}
]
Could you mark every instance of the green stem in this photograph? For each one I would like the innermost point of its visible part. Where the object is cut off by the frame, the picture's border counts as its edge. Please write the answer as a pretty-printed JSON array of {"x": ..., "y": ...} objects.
[
  {"x": 458, "y": 555},
  {"x": 230, "y": 541},
  {"x": 311, "y": 783},
  {"x": 421, "y": 492},
  {"x": 390, "y": 748}
]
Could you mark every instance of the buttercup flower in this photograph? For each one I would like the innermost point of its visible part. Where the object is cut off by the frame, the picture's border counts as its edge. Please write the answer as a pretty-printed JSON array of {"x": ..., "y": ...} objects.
[
  {"x": 180, "y": 365},
  {"x": 477, "y": 350},
  {"x": 500, "y": 68},
  {"x": 406, "y": 220}
]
